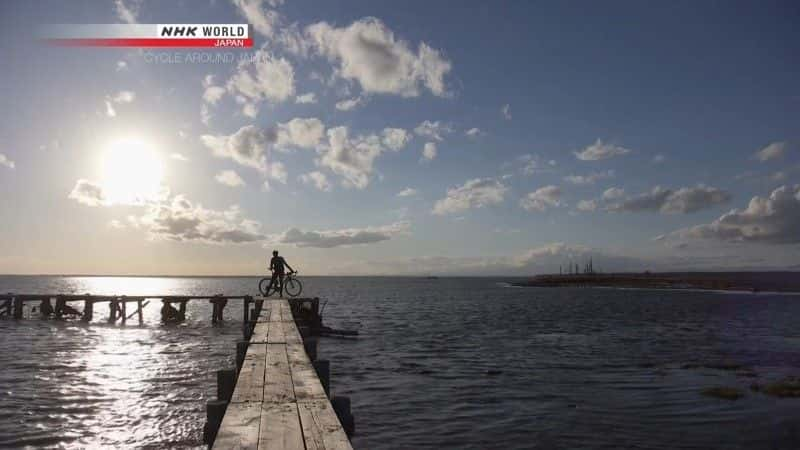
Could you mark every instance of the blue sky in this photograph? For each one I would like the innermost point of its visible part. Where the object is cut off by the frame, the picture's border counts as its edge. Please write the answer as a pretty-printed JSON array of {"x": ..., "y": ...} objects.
[{"x": 648, "y": 136}]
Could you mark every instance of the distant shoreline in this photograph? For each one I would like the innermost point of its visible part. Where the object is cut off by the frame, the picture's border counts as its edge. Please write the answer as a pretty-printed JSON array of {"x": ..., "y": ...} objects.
[{"x": 706, "y": 281}]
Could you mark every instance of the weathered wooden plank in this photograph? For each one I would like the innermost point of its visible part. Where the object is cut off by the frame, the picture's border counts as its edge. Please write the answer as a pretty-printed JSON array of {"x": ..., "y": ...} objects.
[
  {"x": 276, "y": 334},
  {"x": 240, "y": 427},
  {"x": 286, "y": 311},
  {"x": 280, "y": 427},
  {"x": 278, "y": 387},
  {"x": 291, "y": 333},
  {"x": 260, "y": 332},
  {"x": 307, "y": 385},
  {"x": 321, "y": 427},
  {"x": 250, "y": 384}
]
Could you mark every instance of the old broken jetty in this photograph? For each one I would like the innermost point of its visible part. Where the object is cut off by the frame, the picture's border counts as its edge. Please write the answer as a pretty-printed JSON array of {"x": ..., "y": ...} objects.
[{"x": 277, "y": 396}]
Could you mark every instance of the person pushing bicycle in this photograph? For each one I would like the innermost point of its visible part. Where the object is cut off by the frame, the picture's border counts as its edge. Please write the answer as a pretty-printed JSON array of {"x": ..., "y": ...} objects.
[{"x": 278, "y": 266}]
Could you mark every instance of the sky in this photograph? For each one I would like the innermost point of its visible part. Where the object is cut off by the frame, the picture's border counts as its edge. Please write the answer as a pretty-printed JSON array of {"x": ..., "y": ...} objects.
[{"x": 422, "y": 138}]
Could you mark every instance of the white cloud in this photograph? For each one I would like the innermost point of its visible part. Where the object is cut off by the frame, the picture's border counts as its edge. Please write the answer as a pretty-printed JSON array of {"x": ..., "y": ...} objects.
[
  {"x": 264, "y": 20},
  {"x": 772, "y": 220},
  {"x": 306, "y": 98},
  {"x": 181, "y": 220},
  {"x": 248, "y": 146},
  {"x": 178, "y": 157},
  {"x": 277, "y": 172},
  {"x": 88, "y": 192},
  {"x": 124, "y": 97},
  {"x": 613, "y": 193},
  {"x": 351, "y": 159},
  {"x": 318, "y": 179},
  {"x": 587, "y": 205},
  {"x": 122, "y": 65},
  {"x": 532, "y": 164},
  {"x": 775, "y": 150},
  {"x": 4, "y": 161},
  {"x": 350, "y": 103},
  {"x": 407, "y": 192},
  {"x": 474, "y": 133},
  {"x": 475, "y": 193},
  {"x": 506, "y": 110},
  {"x": 368, "y": 52},
  {"x": 590, "y": 178},
  {"x": 600, "y": 150},
  {"x": 667, "y": 201},
  {"x": 340, "y": 238},
  {"x": 262, "y": 77},
  {"x": 395, "y": 138},
  {"x": 434, "y": 130},
  {"x": 212, "y": 93},
  {"x": 542, "y": 199},
  {"x": 300, "y": 132},
  {"x": 659, "y": 158},
  {"x": 429, "y": 152},
  {"x": 127, "y": 11},
  {"x": 229, "y": 178},
  {"x": 118, "y": 98},
  {"x": 205, "y": 114}
]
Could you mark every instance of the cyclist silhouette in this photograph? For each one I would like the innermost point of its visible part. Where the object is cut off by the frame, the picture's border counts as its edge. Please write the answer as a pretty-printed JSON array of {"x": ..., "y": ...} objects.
[{"x": 278, "y": 266}]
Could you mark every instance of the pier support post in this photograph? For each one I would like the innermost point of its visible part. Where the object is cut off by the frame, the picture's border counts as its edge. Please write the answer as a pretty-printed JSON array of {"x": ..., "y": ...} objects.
[
  {"x": 17, "y": 308},
  {"x": 182, "y": 310},
  {"x": 323, "y": 368},
  {"x": 7, "y": 306},
  {"x": 140, "y": 311},
  {"x": 226, "y": 382},
  {"x": 123, "y": 312},
  {"x": 245, "y": 311},
  {"x": 310, "y": 345},
  {"x": 88, "y": 310},
  {"x": 46, "y": 307},
  {"x": 241, "y": 351},
  {"x": 215, "y": 411},
  {"x": 112, "y": 310},
  {"x": 341, "y": 405}
]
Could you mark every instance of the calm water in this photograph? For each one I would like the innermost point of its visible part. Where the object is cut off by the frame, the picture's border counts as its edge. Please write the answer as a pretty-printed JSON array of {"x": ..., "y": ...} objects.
[{"x": 457, "y": 363}]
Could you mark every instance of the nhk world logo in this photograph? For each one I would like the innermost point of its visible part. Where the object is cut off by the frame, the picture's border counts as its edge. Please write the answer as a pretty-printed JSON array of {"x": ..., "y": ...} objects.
[{"x": 186, "y": 35}]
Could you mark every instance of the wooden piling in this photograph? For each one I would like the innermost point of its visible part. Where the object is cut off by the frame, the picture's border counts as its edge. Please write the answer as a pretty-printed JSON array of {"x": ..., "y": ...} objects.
[
  {"x": 88, "y": 310},
  {"x": 341, "y": 405},
  {"x": 112, "y": 311},
  {"x": 310, "y": 345},
  {"x": 182, "y": 310},
  {"x": 226, "y": 382},
  {"x": 17, "y": 308},
  {"x": 140, "y": 311},
  {"x": 323, "y": 368},
  {"x": 215, "y": 411},
  {"x": 241, "y": 351}
]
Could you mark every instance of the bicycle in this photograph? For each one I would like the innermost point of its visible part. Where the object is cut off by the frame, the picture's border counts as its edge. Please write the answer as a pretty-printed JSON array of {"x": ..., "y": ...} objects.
[{"x": 291, "y": 285}]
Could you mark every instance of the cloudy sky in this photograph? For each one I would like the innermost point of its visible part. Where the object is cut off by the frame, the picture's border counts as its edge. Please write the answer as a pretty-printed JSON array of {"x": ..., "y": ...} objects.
[{"x": 359, "y": 137}]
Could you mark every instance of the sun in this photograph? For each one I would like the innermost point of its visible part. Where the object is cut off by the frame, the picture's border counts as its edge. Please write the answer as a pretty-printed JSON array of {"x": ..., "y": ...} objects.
[{"x": 132, "y": 172}]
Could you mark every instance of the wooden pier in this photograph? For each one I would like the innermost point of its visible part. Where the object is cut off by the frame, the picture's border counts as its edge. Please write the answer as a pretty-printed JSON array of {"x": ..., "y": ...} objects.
[
  {"x": 173, "y": 307},
  {"x": 280, "y": 399}
]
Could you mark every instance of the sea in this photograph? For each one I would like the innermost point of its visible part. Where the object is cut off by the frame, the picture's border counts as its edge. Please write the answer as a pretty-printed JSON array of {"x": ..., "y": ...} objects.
[{"x": 457, "y": 363}]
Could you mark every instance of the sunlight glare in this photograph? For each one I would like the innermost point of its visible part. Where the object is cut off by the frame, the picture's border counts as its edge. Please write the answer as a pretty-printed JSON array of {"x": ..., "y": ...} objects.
[{"x": 132, "y": 172}]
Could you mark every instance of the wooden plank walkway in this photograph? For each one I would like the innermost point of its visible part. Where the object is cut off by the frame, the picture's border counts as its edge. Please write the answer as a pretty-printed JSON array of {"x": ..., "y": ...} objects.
[{"x": 278, "y": 401}]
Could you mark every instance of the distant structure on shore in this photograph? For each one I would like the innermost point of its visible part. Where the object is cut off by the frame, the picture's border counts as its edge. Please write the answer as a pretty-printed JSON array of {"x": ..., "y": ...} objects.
[{"x": 575, "y": 269}]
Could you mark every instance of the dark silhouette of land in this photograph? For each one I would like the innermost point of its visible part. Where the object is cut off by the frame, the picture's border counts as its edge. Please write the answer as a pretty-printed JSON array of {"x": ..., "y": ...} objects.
[{"x": 728, "y": 281}]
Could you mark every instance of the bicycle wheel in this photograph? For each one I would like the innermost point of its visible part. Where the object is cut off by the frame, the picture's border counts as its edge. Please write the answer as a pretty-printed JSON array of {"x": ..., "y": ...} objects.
[
  {"x": 292, "y": 286},
  {"x": 264, "y": 287}
]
